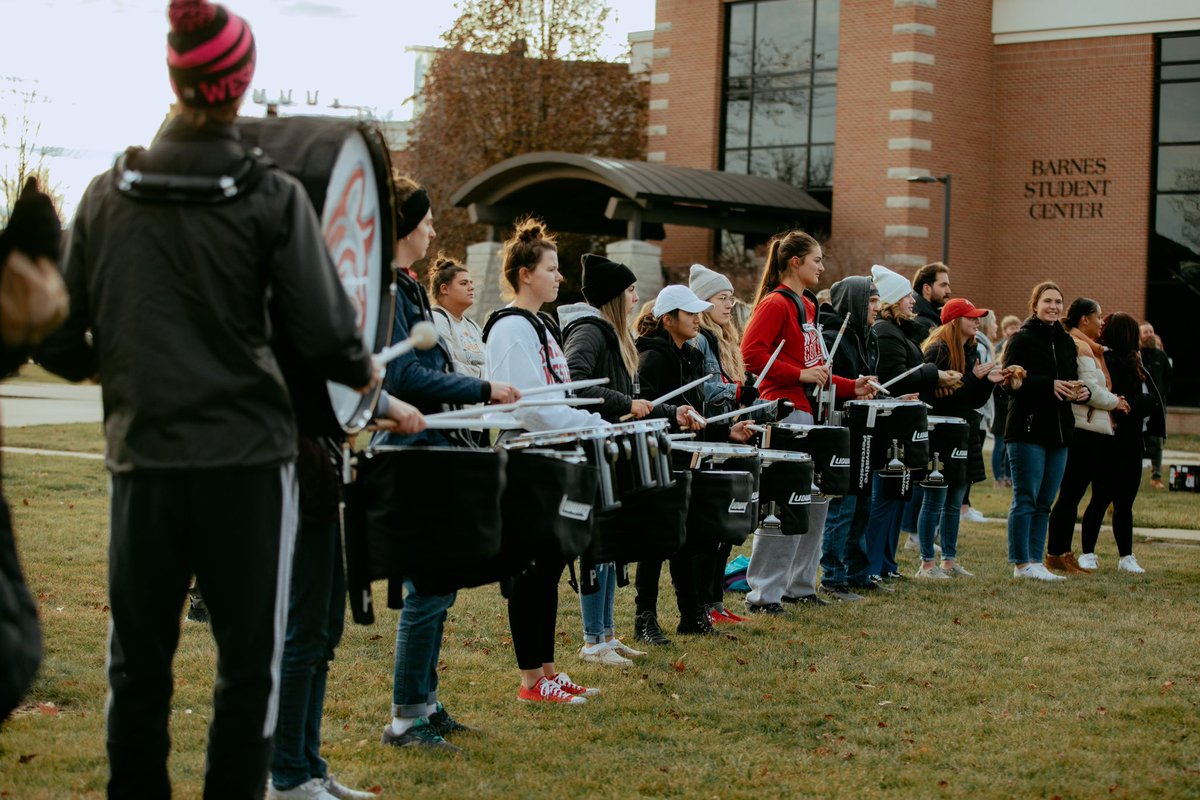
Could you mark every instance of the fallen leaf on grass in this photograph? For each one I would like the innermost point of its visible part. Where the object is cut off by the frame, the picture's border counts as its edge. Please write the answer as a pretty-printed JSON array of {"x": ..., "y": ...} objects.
[
  {"x": 1168, "y": 686},
  {"x": 25, "y": 759},
  {"x": 823, "y": 751},
  {"x": 49, "y": 709},
  {"x": 767, "y": 697},
  {"x": 741, "y": 661},
  {"x": 1114, "y": 787},
  {"x": 957, "y": 621},
  {"x": 375, "y": 638},
  {"x": 882, "y": 724},
  {"x": 943, "y": 784},
  {"x": 376, "y": 789},
  {"x": 674, "y": 696},
  {"x": 1101, "y": 710},
  {"x": 864, "y": 686},
  {"x": 24, "y": 501},
  {"x": 885, "y": 702},
  {"x": 679, "y": 665},
  {"x": 829, "y": 716}
]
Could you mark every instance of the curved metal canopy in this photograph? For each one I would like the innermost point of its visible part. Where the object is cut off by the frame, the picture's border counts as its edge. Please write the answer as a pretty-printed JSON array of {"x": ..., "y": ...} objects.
[{"x": 615, "y": 197}]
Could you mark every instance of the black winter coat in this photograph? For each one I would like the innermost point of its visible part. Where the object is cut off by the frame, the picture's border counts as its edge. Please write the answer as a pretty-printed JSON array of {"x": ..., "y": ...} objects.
[
  {"x": 594, "y": 351},
  {"x": 662, "y": 367},
  {"x": 1144, "y": 406},
  {"x": 897, "y": 353},
  {"x": 927, "y": 319},
  {"x": 964, "y": 402},
  {"x": 1035, "y": 414}
]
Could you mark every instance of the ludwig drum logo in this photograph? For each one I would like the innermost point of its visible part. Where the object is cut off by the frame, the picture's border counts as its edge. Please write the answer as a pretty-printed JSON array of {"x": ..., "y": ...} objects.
[
  {"x": 956, "y": 453},
  {"x": 350, "y": 236},
  {"x": 921, "y": 436},
  {"x": 799, "y": 499},
  {"x": 838, "y": 462},
  {"x": 738, "y": 506},
  {"x": 574, "y": 510}
]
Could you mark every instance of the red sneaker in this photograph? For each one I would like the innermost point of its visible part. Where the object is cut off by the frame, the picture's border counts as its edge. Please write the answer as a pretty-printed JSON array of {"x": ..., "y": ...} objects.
[
  {"x": 732, "y": 616},
  {"x": 547, "y": 691},
  {"x": 570, "y": 687},
  {"x": 720, "y": 619}
]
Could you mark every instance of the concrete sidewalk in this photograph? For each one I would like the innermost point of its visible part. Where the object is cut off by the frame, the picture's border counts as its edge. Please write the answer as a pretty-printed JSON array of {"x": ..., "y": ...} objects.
[{"x": 24, "y": 404}]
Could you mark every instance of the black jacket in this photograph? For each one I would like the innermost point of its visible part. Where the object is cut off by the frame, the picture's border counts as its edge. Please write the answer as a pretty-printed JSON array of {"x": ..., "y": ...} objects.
[
  {"x": 175, "y": 296},
  {"x": 964, "y": 402},
  {"x": 927, "y": 319},
  {"x": 897, "y": 353},
  {"x": 1035, "y": 414},
  {"x": 594, "y": 351},
  {"x": 858, "y": 349},
  {"x": 1158, "y": 367},
  {"x": 1145, "y": 405},
  {"x": 662, "y": 367}
]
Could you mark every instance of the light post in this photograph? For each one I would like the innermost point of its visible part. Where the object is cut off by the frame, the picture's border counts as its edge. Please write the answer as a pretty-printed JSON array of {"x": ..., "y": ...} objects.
[{"x": 944, "y": 180}]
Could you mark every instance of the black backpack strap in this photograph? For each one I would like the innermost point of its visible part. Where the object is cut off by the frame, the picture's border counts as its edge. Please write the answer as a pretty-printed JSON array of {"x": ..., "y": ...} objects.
[
  {"x": 796, "y": 301},
  {"x": 162, "y": 187},
  {"x": 540, "y": 322}
]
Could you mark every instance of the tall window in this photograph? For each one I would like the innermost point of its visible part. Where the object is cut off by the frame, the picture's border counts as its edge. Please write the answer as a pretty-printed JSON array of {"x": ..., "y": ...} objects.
[
  {"x": 781, "y": 91},
  {"x": 1175, "y": 239}
]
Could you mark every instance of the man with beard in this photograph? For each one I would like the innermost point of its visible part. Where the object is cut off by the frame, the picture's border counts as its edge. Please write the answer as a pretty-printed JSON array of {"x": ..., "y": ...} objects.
[{"x": 931, "y": 285}]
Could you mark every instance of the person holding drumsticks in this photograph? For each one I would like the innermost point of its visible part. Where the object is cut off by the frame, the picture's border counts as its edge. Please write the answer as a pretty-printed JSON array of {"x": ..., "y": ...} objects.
[
  {"x": 522, "y": 348},
  {"x": 951, "y": 347},
  {"x": 1040, "y": 426},
  {"x": 427, "y": 380},
  {"x": 785, "y": 567},
  {"x": 599, "y": 344}
]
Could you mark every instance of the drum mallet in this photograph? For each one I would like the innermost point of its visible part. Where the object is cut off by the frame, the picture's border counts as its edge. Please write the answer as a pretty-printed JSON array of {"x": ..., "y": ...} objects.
[
  {"x": 687, "y": 387},
  {"x": 424, "y": 336}
]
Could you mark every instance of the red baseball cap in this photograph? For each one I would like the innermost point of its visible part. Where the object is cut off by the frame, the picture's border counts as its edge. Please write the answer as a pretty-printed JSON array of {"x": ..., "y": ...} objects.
[{"x": 960, "y": 307}]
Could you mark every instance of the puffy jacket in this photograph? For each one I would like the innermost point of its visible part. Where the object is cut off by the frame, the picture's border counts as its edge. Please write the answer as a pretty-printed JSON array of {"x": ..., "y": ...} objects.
[
  {"x": 964, "y": 402},
  {"x": 1035, "y": 414},
  {"x": 175, "y": 297},
  {"x": 1093, "y": 415},
  {"x": 594, "y": 351},
  {"x": 896, "y": 353}
]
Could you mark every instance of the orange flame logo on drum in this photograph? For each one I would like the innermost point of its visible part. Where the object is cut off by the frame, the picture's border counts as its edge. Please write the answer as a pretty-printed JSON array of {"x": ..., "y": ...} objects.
[{"x": 350, "y": 237}]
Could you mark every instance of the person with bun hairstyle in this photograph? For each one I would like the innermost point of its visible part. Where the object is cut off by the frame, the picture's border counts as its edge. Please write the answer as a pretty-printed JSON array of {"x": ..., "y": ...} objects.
[
  {"x": 427, "y": 379},
  {"x": 599, "y": 344},
  {"x": 523, "y": 348},
  {"x": 1040, "y": 426},
  {"x": 1091, "y": 446},
  {"x": 952, "y": 347},
  {"x": 453, "y": 293},
  {"x": 785, "y": 567},
  {"x": 1141, "y": 410}
]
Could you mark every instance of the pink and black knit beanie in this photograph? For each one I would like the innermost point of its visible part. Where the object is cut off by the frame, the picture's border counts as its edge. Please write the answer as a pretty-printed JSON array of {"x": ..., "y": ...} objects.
[{"x": 210, "y": 53}]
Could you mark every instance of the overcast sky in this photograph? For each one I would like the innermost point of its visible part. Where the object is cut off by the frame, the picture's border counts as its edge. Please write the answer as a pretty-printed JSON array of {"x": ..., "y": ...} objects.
[{"x": 99, "y": 73}]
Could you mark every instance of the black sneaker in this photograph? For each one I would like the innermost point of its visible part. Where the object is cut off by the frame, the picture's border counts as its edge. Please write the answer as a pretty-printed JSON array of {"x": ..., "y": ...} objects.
[
  {"x": 421, "y": 734},
  {"x": 645, "y": 629},
  {"x": 197, "y": 610},
  {"x": 769, "y": 608},
  {"x": 445, "y": 724},
  {"x": 807, "y": 600},
  {"x": 895, "y": 576},
  {"x": 701, "y": 623},
  {"x": 872, "y": 586},
  {"x": 838, "y": 592}
]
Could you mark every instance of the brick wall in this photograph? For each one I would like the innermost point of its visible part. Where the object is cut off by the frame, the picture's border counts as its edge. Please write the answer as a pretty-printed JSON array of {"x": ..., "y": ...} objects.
[{"x": 1081, "y": 98}]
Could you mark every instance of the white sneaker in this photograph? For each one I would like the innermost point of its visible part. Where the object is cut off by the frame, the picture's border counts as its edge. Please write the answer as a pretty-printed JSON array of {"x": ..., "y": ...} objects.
[
  {"x": 1036, "y": 572},
  {"x": 345, "y": 792},
  {"x": 932, "y": 573},
  {"x": 973, "y": 515},
  {"x": 1129, "y": 564},
  {"x": 625, "y": 650},
  {"x": 603, "y": 654},
  {"x": 1089, "y": 561},
  {"x": 313, "y": 789},
  {"x": 913, "y": 543},
  {"x": 957, "y": 571}
]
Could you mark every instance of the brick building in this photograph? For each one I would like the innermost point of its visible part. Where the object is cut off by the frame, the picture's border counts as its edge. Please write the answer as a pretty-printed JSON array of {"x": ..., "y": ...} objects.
[{"x": 1070, "y": 130}]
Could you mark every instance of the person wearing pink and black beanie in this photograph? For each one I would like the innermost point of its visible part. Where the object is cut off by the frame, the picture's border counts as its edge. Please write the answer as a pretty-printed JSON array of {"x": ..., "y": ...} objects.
[{"x": 176, "y": 254}]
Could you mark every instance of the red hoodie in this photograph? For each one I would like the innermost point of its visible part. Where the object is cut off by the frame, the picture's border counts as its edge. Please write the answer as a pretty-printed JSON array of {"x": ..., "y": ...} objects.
[{"x": 773, "y": 319}]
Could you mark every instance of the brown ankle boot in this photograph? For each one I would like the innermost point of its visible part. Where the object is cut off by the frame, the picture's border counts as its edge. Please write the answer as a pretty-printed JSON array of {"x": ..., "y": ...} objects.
[
  {"x": 1073, "y": 567},
  {"x": 1056, "y": 563}
]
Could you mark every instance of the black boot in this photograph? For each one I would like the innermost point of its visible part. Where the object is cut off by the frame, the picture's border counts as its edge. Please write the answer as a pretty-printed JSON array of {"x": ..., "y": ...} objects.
[
  {"x": 698, "y": 623},
  {"x": 645, "y": 629}
]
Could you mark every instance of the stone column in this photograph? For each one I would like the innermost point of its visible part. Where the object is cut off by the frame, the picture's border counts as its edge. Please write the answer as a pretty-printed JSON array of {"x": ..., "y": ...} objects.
[
  {"x": 645, "y": 260},
  {"x": 485, "y": 260}
]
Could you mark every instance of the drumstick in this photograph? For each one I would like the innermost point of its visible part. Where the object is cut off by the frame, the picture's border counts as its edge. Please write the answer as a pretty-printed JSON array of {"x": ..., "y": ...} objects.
[
  {"x": 838, "y": 340},
  {"x": 697, "y": 417},
  {"x": 685, "y": 388},
  {"x": 878, "y": 388},
  {"x": 738, "y": 412},
  {"x": 564, "y": 387},
  {"x": 460, "y": 423},
  {"x": 424, "y": 337},
  {"x": 821, "y": 341},
  {"x": 770, "y": 361},
  {"x": 475, "y": 411},
  {"x": 902, "y": 375}
]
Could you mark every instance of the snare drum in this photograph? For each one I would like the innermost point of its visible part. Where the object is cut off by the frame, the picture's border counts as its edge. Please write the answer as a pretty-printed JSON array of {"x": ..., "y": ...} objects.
[
  {"x": 874, "y": 426},
  {"x": 648, "y": 526},
  {"x": 948, "y": 442},
  {"x": 829, "y": 446},
  {"x": 548, "y": 500},
  {"x": 644, "y": 460},
  {"x": 725, "y": 490},
  {"x": 346, "y": 171},
  {"x": 598, "y": 446},
  {"x": 787, "y": 482}
]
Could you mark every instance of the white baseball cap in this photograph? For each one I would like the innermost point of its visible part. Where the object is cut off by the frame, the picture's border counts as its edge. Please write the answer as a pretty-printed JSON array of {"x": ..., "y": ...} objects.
[{"x": 678, "y": 297}]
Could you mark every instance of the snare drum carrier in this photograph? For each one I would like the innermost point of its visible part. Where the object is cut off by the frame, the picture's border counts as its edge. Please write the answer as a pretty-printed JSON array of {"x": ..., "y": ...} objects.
[
  {"x": 890, "y": 437},
  {"x": 725, "y": 491}
]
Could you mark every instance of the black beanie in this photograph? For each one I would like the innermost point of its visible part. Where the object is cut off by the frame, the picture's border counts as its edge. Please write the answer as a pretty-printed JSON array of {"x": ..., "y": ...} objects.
[{"x": 603, "y": 279}]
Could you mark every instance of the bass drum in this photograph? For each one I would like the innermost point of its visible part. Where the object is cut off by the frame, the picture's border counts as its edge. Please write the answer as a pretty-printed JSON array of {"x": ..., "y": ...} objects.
[{"x": 346, "y": 171}]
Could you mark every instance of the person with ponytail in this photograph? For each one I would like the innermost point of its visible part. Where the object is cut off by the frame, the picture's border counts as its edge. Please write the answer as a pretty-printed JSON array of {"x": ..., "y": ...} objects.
[
  {"x": 1092, "y": 446},
  {"x": 784, "y": 568},
  {"x": 453, "y": 293},
  {"x": 599, "y": 344},
  {"x": 425, "y": 378},
  {"x": 720, "y": 345},
  {"x": 522, "y": 347},
  {"x": 1140, "y": 411}
]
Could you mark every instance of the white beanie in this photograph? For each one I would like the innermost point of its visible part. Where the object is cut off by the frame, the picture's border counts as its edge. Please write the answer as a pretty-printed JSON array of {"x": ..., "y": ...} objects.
[
  {"x": 706, "y": 283},
  {"x": 893, "y": 287}
]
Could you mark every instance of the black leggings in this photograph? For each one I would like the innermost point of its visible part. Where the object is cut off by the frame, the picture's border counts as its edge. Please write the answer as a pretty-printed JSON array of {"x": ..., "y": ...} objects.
[
  {"x": 683, "y": 577},
  {"x": 1118, "y": 484},
  {"x": 1090, "y": 455},
  {"x": 710, "y": 573},
  {"x": 533, "y": 614}
]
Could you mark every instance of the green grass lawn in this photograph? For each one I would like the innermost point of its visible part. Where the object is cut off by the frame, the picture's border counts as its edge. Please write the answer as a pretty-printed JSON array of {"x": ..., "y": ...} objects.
[{"x": 980, "y": 688}]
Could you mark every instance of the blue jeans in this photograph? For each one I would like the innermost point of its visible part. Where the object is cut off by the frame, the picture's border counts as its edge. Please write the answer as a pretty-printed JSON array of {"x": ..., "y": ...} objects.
[
  {"x": 941, "y": 508},
  {"x": 418, "y": 645},
  {"x": 597, "y": 607},
  {"x": 1000, "y": 470},
  {"x": 1037, "y": 472},
  {"x": 912, "y": 510},
  {"x": 837, "y": 531},
  {"x": 316, "y": 617},
  {"x": 883, "y": 529}
]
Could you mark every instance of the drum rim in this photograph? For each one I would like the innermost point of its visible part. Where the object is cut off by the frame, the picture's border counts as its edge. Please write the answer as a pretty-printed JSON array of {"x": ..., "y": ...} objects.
[
  {"x": 787, "y": 455},
  {"x": 711, "y": 448}
]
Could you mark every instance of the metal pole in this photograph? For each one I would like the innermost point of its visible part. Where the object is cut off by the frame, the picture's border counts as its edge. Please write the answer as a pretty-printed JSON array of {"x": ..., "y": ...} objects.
[{"x": 946, "y": 223}]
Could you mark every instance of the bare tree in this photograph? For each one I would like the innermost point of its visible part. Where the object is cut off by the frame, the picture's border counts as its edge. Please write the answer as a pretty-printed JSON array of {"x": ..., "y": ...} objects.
[{"x": 23, "y": 156}]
